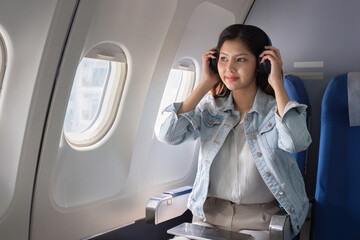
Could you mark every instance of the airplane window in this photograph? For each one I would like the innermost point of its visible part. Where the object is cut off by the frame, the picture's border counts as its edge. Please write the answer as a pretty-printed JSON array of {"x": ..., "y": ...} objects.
[
  {"x": 2, "y": 60},
  {"x": 178, "y": 87},
  {"x": 95, "y": 95}
]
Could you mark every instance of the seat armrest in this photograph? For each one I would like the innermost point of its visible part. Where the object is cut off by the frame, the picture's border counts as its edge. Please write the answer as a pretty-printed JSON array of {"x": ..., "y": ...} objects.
[
  {"x": 280, "y": 228},
  {"x": 168, "y": 205},
  {"x": 280, "y": 225}
]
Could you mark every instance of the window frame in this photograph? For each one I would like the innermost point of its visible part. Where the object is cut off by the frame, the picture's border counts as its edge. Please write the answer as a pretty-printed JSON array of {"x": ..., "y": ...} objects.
[
  {"x": 3, "y": 60},
  {"x": 188, "y": 67},
  {"x": 110, "y": 98}
]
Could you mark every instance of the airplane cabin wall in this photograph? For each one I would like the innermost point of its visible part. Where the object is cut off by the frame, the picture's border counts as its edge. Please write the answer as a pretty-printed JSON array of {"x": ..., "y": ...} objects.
[
  {"x": 21, "y": 42},
  {"x": 25, "y": 27},
  {"x": 308, "y": 30},
  {"x": 82, "y": 192}
]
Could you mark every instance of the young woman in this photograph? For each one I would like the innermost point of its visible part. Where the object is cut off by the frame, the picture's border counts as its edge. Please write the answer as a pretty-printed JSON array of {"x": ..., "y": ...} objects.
[{"x": 247, "y": 127}]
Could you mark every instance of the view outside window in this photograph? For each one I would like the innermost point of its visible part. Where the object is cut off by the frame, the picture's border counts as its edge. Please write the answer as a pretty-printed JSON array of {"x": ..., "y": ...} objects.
[{"x": 87, "y": 94}]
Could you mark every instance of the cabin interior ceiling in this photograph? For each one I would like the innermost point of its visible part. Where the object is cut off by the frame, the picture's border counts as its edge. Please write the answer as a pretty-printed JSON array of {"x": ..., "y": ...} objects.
[{"x": 307, "y": 30}]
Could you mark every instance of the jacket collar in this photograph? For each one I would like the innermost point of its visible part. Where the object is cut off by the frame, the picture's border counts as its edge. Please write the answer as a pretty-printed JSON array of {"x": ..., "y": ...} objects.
[{"x": 259, "y": 106}]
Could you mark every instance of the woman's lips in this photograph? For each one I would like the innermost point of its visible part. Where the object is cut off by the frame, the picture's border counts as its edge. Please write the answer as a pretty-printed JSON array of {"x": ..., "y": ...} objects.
[{"x": 231, "y": 79}]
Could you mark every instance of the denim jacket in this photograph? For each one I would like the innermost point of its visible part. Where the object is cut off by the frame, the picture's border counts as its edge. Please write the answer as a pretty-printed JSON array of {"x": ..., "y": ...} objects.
[{"x": 270, "y": 138}]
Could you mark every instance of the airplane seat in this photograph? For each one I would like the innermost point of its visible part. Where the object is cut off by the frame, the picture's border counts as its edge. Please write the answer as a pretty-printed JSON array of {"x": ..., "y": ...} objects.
[
  {"x": 337, "y": 196},
  {"x": 280, "y": 223},
  {"x": 296, "y": 91}
]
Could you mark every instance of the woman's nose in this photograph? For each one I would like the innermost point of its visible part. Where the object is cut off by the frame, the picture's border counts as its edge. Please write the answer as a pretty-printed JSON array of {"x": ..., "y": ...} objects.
[{"x": 230, "y": 66}]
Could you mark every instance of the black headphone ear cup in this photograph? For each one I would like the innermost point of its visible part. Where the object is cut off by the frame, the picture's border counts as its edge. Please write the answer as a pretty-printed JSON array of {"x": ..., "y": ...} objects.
[
  {"x": 264, "y": 67},
  {"x": 214, "y": 63}
]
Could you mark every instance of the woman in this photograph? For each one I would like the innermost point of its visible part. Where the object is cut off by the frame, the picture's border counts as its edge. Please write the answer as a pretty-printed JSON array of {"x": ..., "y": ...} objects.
[{"x": 247, "y": 128}]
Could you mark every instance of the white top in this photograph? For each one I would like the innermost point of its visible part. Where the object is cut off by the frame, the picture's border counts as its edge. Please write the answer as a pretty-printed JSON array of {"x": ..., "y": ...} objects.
[{"x": 234, "y": 175}]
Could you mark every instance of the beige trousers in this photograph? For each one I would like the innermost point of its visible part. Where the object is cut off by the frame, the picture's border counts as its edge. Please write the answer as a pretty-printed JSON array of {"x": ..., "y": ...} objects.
[{"x": 253, "y": 219}]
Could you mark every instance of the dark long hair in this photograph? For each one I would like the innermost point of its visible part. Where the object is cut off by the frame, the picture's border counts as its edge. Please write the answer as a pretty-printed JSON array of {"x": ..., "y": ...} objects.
[{"x": 255, "y": 40}]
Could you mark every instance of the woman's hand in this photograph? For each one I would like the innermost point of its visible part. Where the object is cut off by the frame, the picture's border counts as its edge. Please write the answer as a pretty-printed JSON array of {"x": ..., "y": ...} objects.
[
  {"x": 276, "y": 75},
  {"x": 209, "y": 78}
]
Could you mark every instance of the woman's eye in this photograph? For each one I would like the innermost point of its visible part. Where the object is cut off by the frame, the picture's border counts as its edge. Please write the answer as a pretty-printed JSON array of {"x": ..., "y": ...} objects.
[
  {"x": 241, "y": 60},
  {"x": 223, "y": 59}
]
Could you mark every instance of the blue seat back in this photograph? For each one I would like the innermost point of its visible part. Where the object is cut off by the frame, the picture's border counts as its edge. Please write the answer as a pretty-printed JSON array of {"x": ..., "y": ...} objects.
[
  {"x": 337, "y": 211},
  {"x": 296, "y": 91}
]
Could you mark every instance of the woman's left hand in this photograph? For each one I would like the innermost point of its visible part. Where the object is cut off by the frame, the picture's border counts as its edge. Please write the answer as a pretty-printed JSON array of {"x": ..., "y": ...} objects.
[
  {"x": 276, "y": 77},
  {"x": 276, "y": 74}
]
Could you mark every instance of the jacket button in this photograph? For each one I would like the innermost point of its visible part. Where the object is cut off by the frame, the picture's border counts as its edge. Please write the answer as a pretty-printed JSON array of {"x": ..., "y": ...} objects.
[
  {"x": 252, "y": 136},
  {"x": 292, "y": 210},
  {"x": 267, "y": 174},
  {"x": 269, "y": 125},
  {"x": 281, "y": 193},
  {"x": 249, "y": 118},
  {"x": 258, "y": 154}
]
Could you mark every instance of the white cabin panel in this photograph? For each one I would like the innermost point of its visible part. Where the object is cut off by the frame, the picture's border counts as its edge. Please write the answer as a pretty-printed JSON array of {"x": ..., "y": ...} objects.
[
  {"x": 29, "y": 35},
  {"x": 25, "y": 44},
  {"x": 87, "y": 185},
  {"x": 166, "y": 163}
]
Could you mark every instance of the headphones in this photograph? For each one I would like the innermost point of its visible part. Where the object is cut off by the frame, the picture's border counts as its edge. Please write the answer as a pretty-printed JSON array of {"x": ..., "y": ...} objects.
[
  {"x": 214, "y": 63},
  {"x": 264, "y": 67}
]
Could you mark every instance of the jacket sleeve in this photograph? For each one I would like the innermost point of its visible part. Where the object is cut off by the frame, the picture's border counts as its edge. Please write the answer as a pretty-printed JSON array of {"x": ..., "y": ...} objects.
[
  {"x": 177, "y": 128},
  {"x": 293, "y": 133}
]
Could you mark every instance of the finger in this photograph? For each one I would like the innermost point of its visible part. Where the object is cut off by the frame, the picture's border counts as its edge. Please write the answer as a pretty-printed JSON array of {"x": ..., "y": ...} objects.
[
  {"x": 274, "y": 49},
  {"x": 212, "y": 50},
  {"x": 272, "y": 59},
  {"x": 266, "y": 57},
  {"x": 270, "y": 52},
  {"x": 270, "y": 47},
  {"x": 207, "y": 53},
  {"x": 209, "y": 56}
]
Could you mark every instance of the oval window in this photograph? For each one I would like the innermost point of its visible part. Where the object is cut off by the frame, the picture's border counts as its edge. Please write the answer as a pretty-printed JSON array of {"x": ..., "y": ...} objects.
[
  {"x": 180, "y": 84},
  {"x": 95, "y": 95}
]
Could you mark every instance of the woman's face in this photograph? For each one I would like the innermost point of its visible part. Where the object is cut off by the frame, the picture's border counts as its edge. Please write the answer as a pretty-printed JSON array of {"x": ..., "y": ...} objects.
[{"x": 237, "y": 65}]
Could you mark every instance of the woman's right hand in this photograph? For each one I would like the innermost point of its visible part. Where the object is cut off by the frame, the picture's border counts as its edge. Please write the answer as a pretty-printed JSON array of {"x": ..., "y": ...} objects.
[
  {"x": 208, "y": 81},
  {"x": 209, "y": 78}
]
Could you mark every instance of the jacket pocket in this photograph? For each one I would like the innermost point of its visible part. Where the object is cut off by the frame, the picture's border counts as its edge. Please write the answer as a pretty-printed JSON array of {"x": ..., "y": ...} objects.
[
  {"x": 269, "y": 134},
  {"x": 210, "y": 123},
  {"x": 209, "y": 119}
]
